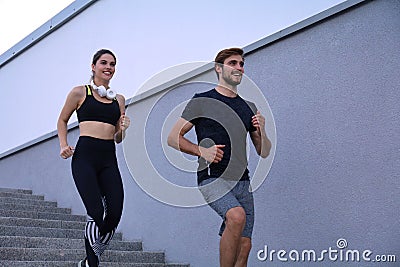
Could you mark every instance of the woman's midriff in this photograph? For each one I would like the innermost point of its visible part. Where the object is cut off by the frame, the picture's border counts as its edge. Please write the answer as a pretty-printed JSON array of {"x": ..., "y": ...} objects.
[{"x": 100, "y": 130}]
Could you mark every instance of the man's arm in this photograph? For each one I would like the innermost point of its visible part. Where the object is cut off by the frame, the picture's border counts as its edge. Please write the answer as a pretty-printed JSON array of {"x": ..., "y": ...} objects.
[
  {"x": 259, "y": 137},
  {"x": 177, "y": 140}
]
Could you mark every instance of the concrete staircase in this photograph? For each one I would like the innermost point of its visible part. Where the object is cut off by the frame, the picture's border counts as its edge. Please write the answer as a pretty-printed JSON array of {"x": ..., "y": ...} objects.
[{"x": 34, "y": 233}]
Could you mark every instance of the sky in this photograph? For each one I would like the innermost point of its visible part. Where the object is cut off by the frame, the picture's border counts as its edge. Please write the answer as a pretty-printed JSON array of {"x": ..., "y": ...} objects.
[{"x": 19, "y": 18}]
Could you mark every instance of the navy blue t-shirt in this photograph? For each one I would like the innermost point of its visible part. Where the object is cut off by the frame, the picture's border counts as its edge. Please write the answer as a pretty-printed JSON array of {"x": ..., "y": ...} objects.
[{"x": 222, "y": 120}]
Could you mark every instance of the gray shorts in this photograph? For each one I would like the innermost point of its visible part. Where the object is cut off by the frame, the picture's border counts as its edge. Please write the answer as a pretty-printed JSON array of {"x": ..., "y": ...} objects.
[{"x": 224, "y": 195}]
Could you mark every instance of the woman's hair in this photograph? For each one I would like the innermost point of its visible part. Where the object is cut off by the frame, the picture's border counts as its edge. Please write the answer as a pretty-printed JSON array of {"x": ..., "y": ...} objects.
[
  {"x": 100, "y": 53},
  {"x": 97, "y": 56},
  {"x": 224, "y": 54}
]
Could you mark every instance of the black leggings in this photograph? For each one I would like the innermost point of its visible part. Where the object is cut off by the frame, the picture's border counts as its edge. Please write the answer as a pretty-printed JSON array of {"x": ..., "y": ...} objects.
[{"x": 98, "y": 180}]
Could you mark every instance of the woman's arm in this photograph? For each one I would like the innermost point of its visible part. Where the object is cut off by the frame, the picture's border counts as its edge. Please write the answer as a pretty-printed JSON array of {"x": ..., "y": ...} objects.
[
  {"x": 71, "y": 104},
  {"x": 123, "y": 122}
]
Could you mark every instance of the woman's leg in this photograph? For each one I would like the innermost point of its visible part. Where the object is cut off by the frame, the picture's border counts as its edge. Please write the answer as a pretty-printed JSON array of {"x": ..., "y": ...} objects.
[
  {"x": 98, "y": 180},
  {"x": 88, "y": 188},
  {"x": 110, "y": 183}
]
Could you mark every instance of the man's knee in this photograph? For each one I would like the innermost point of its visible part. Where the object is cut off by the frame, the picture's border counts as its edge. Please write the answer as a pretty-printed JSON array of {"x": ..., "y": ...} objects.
[{"x": 235, "y": 217}]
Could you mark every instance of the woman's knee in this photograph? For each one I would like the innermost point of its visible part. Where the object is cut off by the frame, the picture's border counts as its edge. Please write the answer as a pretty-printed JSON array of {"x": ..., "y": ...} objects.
[
  {"x": 96, "y": 213},
  {"x": 106, "y": 215},
  {"x": 113, "y": 219}
]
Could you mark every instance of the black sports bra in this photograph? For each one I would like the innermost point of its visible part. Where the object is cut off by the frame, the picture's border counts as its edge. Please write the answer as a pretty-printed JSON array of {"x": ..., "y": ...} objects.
[{"x": 94, "y": 110}]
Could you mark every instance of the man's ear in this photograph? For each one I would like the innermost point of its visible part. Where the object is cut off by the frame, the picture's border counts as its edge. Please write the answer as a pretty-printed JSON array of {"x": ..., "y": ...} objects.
[{"x": 218, "y": 68}]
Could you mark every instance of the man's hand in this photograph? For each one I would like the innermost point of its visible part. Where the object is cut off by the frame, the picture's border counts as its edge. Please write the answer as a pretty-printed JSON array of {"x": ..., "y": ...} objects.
[
  {"x": 258, "y": 122},
  {"x": 212, "y": 154},
  {"x": 259, "y": 137}
]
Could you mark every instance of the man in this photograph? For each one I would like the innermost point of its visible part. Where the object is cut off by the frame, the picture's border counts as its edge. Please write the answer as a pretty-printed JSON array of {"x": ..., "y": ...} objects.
[{"x": 222, "y": 120}]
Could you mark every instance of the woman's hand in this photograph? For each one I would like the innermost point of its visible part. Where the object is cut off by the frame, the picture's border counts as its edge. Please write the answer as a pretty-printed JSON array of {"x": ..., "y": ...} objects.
[
  {"x": 124, "y": 122},
  {"x": 66, "y": 152}
]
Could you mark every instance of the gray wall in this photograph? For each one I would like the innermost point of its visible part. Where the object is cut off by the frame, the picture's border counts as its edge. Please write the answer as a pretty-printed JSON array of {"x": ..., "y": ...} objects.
[
  {"x": 333, "y": 91},
  {"x": 138, "y": 28}
]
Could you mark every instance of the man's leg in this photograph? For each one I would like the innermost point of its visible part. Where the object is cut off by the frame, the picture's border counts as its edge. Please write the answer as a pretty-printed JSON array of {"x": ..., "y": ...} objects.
[
  {"x": 245, "y": 197},
  {"x": 230, "y": 244},
  {"x": 244, "y": 252}
]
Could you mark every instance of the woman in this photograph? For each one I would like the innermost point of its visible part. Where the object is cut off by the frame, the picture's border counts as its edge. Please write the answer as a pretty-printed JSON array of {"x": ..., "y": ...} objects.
[{"x": 102, "y": 122}]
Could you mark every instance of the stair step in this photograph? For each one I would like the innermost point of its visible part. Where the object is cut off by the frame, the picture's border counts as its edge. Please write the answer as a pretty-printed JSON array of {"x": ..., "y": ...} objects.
[
  {"x": 32, "y": 254},
  {"x": 46, "y": 232},
  {"x": 10, "y": 200},
  {"x": 41, "y": 215},
  {"x": 13, "y": 206},
  {"x": 65, "y": 243},
  {"x": 41, "y": 232},
  {"x": 12, "y": 190},
  {"x": 29, "y": 222},
  {"x": 21, "y": 195}
]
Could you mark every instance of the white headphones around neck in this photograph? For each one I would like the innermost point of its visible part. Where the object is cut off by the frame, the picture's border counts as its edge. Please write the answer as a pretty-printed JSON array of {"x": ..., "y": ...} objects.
[{"x": 103, "y": 92}]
